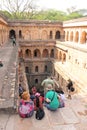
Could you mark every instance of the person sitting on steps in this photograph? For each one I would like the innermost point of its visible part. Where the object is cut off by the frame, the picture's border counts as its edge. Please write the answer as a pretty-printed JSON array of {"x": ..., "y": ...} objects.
[
  {"x": 26, "y": 106},
  {"x": 51, "y": 98},
  {"x": 70, "y": 88}
]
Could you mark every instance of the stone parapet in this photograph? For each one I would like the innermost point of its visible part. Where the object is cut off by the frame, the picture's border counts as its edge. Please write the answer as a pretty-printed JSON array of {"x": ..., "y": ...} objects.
[
  {"x": 9, "y": 88},
  {"x": 22, "y": 75}
]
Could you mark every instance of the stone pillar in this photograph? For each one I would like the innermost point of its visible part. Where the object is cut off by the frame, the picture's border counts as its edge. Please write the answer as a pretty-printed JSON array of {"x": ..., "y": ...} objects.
[
  {"x": 80, "y": 35},
  {"x": 32, "y": 54},
  {"x": 66, "y": 35},
  {"x": 17, "y": 34},
  {"x": 62, "y": 58},
  {"x": 53, "y": 35}
]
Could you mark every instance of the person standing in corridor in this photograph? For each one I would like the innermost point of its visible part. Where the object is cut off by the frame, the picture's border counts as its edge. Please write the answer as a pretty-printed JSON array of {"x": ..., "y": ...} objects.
[{"x": 14, "y": 41}]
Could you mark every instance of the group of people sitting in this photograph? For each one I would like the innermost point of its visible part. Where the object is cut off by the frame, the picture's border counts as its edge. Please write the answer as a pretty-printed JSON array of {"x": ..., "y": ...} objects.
[{"x": 52, "y": 99}]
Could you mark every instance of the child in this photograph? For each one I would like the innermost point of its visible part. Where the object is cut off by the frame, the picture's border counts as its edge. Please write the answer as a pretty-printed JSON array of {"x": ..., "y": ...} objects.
[{"x": 61, "y": 97}]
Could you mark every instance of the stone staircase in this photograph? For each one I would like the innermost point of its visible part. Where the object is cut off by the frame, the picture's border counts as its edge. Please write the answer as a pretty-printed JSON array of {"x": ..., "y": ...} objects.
[{"x": 8, "y": 80}]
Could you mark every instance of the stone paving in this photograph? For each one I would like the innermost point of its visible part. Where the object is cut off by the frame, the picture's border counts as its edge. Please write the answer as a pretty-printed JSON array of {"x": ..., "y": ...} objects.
[
  {"x": 8, "y": 55},
  {"x": 72, "y": 117}
]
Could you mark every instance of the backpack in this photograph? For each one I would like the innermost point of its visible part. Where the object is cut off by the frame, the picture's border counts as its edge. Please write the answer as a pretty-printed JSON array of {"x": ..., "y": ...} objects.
[
  {"x": 39, "y": 114},
  {"x": 26, "y": 109}
]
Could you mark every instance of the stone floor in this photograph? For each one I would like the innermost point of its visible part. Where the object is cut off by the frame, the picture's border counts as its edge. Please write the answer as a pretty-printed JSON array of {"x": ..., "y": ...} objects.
[{"x": 72, "y": 117}]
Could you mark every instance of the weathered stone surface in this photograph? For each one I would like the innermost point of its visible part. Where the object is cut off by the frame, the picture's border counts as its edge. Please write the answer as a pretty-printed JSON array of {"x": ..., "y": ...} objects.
[
  {"x": 64, "y": 127},
  {"x": 55, "y": 118},
  {"x": 63, "y": 119},
  {"x": 69, "y": 116},
  {"x": 7, "y": 76}
]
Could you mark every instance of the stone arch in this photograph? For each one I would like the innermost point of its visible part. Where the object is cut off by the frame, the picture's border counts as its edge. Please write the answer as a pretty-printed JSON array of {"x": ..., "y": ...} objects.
[
  {"x": 51, "y": 35},
  {"x": 12, "y": 34},
  {"x": 36, "y": 81},
  {"x": 76, "y": 36},
  {"x": 83, "y": 37},
  {"x": 71, "y": 36},
  {"x": 57, "y": 36},
  {"x": 35, "y": 35},
  {"x": 45, "y": 68},
  {"x": 45, "y": 53},
  {"x": 28, "y": 53},
  {"x": 20, "y": 34},
  {"x": 52, "y": 53},
  {"x": 64, "y": 57},
  {"x": 27, "y": 35},
  {"x": 37, "y": 53},
  {"x": 57, "y": 54},
  {"x": 44, "y": 35},
  {"x": 36, "y": 68},
  {"x": 27, "y": 69}
]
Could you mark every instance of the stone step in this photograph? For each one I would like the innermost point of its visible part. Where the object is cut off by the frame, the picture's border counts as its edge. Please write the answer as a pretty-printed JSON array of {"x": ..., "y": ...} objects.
[
  {"x": 64, "y": 118},
  {"x": 72, "y": 117}
]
